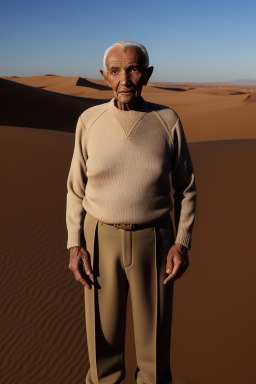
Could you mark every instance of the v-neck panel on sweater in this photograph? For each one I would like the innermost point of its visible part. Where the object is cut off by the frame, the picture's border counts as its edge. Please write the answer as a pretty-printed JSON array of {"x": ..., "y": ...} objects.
[{"x": 128, "y": 119}]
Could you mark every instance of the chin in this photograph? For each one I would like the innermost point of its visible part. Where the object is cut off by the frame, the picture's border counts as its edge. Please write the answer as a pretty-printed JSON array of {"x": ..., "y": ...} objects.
[{"x": 127, "y": 99}]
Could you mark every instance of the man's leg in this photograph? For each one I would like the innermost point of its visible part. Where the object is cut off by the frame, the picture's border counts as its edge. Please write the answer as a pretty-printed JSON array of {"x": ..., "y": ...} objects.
[
  {"x": 151, "y": 302},
  {"x": 105, "y": 305}
]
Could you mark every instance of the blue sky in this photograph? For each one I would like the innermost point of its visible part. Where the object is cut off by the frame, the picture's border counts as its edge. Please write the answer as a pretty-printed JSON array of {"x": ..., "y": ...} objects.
[{"x": 186, "y": 40}]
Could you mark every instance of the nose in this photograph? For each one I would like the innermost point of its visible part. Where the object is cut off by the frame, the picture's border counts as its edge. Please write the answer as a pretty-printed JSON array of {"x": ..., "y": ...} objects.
[{"x": 124, "y": 78}]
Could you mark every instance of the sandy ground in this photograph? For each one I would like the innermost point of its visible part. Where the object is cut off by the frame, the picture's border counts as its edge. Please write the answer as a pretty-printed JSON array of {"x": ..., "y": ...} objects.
[{"x": 43, "y": 338}]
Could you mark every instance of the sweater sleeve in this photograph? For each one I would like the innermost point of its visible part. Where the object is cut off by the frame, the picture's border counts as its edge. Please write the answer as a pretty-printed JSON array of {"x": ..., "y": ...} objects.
[
  {"x": 183, "y": 182},
  {"x": 76, "y": 184}
]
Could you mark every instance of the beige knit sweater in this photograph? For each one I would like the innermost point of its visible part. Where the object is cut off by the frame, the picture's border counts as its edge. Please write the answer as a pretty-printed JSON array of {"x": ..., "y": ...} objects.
[{"x": 120, "y": 170}]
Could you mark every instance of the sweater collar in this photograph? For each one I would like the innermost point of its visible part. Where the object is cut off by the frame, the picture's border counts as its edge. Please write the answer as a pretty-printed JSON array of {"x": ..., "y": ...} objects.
[{"x": 133, "y": 113}]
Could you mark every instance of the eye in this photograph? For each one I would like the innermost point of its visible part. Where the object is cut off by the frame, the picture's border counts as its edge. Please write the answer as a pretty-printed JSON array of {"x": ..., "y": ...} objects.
[
  {"x": 134, "y": 69},
  {"x": 114, "y": 71}
]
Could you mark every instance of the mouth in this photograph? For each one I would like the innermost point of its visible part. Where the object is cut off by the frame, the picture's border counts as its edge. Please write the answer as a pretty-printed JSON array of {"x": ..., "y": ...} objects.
[{"x": 126, "y": 93}]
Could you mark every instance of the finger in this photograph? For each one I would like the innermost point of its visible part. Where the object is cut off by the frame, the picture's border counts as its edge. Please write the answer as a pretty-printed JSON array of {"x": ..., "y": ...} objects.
[
  {"x": 86, "y": 264},
  {"x": 80, "y": 279},
  {"x": 177, "y": 264},
  {"x": 180, "y": 272},
  {"x": 169, "y": 264},
  {"x": 167, "y": 279},
  {"x": 174, "y": 272},
  {"x": 170, "y": 277}
]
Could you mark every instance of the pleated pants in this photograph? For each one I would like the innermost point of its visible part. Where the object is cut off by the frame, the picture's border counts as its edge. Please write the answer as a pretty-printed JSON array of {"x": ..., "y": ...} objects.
[{"x": 123, "y": 260}]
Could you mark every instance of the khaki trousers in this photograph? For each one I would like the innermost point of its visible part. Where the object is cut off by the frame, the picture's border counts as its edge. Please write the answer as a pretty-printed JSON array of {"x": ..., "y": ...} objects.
[{"x": 123, "y": 260}]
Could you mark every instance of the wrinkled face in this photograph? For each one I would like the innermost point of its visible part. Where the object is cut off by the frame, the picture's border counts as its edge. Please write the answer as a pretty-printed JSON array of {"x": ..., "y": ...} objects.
[{"x": 126, "y": 74}]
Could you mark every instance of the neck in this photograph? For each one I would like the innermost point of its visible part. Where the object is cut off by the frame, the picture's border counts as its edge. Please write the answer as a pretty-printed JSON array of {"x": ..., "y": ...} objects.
[{"x": 129, "y": 107}]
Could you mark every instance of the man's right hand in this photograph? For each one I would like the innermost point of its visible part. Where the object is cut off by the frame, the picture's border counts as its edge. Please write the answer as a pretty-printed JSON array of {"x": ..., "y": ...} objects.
[{"x": 79, "y": 262}]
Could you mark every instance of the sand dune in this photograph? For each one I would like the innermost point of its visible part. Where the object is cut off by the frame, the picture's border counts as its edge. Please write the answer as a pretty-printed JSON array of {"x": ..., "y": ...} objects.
[
  {"x": 89, "y": 84},
  {"x": 26, "y": 106},
  {"x": 251, "y": 98},
  {"x": 67, "y": 85},
  {"x": 43, "y": 337},
  {"x": 208, "y": 113}
]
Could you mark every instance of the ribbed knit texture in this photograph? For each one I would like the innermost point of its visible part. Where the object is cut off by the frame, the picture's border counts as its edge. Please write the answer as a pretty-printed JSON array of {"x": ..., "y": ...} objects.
[{"x": 120, "y": 170}]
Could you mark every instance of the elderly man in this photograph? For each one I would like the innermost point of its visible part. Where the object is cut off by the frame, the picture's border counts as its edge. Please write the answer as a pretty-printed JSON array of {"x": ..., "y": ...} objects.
[{"x": 120, "y": 232}]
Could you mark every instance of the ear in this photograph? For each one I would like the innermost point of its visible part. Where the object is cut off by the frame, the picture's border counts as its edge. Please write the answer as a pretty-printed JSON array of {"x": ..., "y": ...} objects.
[
  {"x": 148, "y": 73},
  {"x": 103, "y": 74},
  {"x": 105, "y": 77}
]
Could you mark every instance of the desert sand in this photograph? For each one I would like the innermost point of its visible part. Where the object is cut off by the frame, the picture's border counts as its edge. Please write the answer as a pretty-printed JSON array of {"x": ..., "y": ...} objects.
[{"x": 43, "y": 338}]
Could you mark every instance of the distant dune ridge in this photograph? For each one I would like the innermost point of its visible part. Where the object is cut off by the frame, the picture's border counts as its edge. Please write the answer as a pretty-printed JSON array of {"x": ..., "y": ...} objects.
[
  {"x": 43, "y": 338},
  {"x": 244, "y": 82},
  {"x": 235, "y": 83}
]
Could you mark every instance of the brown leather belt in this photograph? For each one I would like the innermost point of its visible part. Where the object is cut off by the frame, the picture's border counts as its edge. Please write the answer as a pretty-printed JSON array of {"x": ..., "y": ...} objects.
[
  {"x": 131, "y": 227},
  {"x": 134, "y": 227}
]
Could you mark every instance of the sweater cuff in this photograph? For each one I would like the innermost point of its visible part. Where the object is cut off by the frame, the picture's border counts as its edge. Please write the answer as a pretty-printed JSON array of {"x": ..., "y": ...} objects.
[
  {"x": 74, "y": 239},
  {"x": 184, "y": 238}
]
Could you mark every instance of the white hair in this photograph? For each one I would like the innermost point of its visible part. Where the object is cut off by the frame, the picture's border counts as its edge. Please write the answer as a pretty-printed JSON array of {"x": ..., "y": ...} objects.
[{"x": 126, "y": 44}]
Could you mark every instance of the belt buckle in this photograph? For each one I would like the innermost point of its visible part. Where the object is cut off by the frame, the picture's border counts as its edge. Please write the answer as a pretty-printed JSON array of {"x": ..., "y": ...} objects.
[{"x": 124, "y": 227}]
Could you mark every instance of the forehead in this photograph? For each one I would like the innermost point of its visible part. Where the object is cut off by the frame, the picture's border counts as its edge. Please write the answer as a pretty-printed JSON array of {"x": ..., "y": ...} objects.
[{"x": 123, "y": 57}]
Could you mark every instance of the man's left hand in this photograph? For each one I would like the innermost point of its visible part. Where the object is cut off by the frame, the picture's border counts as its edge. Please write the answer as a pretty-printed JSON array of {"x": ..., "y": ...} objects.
[{"x": 177, "y": 262}]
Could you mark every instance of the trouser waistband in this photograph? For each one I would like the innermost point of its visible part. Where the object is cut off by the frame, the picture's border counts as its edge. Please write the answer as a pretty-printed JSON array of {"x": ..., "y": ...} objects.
[{"x": 135, "y": 227}]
